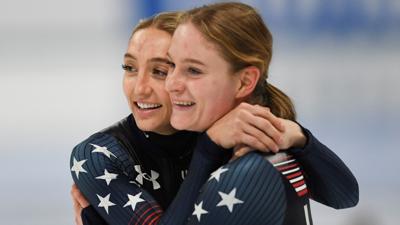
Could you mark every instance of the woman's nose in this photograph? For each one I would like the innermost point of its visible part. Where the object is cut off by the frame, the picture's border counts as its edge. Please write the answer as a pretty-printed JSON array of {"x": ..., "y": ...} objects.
[
  {"x": 174, "y": 82},
  {"x": 142, "y": 87}
]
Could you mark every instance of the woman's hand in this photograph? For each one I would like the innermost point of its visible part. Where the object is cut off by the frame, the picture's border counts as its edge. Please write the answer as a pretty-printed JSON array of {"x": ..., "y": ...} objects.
[
  {"x": 249, "y": 127},
  {"x": 292, "y": 137},
  {"x": 79, "y": 202}
]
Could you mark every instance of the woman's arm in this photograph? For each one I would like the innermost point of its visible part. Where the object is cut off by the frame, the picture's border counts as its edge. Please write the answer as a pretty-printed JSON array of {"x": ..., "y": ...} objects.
[
  {"x": 329, "y": 180},
  {"x": 252, "y": 177},
  {"x": 251, "y": 127},
  {"x": 96, "y": 170}
]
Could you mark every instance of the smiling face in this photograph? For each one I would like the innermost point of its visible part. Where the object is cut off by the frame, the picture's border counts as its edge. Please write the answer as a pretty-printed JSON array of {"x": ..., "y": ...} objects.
[
  {"x": 201, "y": 85},
  {"x": 144, "y": 80}
]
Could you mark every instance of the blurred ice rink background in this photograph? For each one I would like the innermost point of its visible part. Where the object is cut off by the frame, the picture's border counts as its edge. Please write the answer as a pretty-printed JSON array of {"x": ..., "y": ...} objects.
[{"x": 60, "y": 81}]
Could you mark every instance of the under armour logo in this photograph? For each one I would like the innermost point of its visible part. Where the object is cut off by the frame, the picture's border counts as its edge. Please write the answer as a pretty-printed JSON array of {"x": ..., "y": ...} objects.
[
  {"x": 153, "y": 177},
  {"x": 184, "y": 173}
]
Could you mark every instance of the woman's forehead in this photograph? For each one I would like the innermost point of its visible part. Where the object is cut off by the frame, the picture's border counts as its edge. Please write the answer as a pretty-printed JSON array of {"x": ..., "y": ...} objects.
[
  {"x": 149, "y": 43},
  {"x": 188, "y": 41}
]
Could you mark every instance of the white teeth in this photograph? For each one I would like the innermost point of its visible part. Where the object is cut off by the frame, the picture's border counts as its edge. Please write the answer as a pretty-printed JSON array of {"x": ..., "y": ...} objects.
[
  {"x": 147, "y": 105},
  {"x": 183, "y": 103}
]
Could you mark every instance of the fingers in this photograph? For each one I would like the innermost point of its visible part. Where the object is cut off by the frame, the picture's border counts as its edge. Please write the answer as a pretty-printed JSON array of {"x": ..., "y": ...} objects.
[
  {"x": 77, "y": 212},
  {"x": 265, "y": 113},
  {"x": 248, "y": 120},
  {"x": 270, "y": 133},
  {"x": 260, "y": 128},
  {"x": 77, "y": 206},
  {"x": 274, "y": 120},
  {"x": 257, "y": 139},
  {"x": 78, "y": 196},
  {"x": 242, "y": 151}
]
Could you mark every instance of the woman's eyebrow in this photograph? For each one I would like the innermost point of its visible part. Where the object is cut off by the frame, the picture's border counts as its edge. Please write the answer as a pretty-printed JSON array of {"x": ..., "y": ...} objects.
[
  {"x": 195, "y": 61},
  {"x": 188, "y": 60},
  {"x": 128, "y": 55},
  {"x": 159, "y": 59}
]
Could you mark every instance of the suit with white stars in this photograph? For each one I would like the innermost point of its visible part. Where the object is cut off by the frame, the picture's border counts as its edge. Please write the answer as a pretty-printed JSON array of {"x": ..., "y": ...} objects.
[{"x": 130, "y": 177}]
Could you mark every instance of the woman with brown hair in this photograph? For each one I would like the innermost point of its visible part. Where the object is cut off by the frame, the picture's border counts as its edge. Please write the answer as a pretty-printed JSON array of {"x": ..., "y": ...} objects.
[
  {"x": 220, "y": 56},
  {"x": 139, "y": 206},
  {"x": 143, "y": 154}
]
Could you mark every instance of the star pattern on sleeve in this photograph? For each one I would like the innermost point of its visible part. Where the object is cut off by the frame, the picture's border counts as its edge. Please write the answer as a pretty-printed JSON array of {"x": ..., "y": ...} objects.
[
  {"x": 229, "y": 200},
  {"x": 108, "y": 177},
  {"x": 198, "y": 210},
  {"x": 133, "y": 200},
  {"x": 217, "y": 174},
  {"x": 102, "y": 149},
  {"x": 93, "y": 164},
  {"x": 105, "y": 202},
  {"x": 77, "y": 167}
]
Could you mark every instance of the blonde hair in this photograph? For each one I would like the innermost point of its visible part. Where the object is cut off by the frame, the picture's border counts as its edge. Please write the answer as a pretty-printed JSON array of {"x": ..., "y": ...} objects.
[
  {"x": 244, "y": 40},
  {"x": 165, "y": 21}
]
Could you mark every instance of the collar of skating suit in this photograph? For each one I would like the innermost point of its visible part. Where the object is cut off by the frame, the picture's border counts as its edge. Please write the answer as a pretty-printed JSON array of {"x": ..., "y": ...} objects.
[{"x": 177, "y": 145}]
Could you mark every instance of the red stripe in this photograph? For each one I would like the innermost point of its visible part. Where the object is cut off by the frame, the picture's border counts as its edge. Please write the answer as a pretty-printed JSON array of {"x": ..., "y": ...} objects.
[
  {"x": 298, "y": 184},
  {"x": 144, "y": 213},
  {"x": 294, "y": 175},
  {"x": 288, "y": 167},
  {"x": 150, "y": 204},
  {"x": 156, "y": 213},
  {"x": 302, "y": 192},
  {"x": 155, "y": 220}
]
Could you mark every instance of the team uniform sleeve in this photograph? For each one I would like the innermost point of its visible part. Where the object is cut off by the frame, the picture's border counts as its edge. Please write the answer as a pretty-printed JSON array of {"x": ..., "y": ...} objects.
[
  {"x": 329, "y": 180},
  {"x": 207, "y": 200},
  {"x": 99, "y": 168}
]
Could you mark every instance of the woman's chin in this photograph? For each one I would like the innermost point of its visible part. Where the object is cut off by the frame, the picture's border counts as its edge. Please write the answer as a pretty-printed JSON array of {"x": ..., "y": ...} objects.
[{"x": 179, "y": 126}]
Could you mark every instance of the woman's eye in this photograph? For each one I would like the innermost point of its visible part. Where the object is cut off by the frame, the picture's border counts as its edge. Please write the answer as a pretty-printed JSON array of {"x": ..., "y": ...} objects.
[
  {"x": 128, "y": 68},
  {"x": 194, "y": 71},
  {"x": 171, "y": 64},
  {"x": 160, "y": 72}
]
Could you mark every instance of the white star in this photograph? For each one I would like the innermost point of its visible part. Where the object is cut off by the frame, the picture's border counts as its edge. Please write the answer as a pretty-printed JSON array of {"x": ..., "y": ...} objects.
[
  {"x": 108, "y": 177},
  {"x": 103, "y": 150},
  {"x": 216, "y": 174},
  {"x": 229, "y": 200},
  {"x": 198, "y": 210},
  {"x": 133, "y": 200},
  {"x": 105, "y": 202},
  {"x": 77, "y": 167}
]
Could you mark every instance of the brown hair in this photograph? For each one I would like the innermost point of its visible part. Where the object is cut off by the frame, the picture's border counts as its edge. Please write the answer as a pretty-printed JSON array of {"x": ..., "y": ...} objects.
[
  {"x": 165, "y": 21},
  {"x": 244, "y": 40}
]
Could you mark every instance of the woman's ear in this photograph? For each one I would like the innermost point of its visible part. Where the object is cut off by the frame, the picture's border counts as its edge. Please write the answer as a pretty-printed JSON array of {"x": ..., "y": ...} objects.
[{"x": 248, "y": 78}]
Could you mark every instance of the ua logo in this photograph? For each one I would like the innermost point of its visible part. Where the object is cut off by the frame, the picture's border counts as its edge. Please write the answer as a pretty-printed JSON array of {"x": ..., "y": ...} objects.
[
  {"x": 183, "y": 174},
  {"x": 153, "y": 177}
]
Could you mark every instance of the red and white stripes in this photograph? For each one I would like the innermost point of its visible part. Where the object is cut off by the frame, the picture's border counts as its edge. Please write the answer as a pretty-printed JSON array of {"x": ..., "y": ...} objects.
[{"x": 290, "y": 168}]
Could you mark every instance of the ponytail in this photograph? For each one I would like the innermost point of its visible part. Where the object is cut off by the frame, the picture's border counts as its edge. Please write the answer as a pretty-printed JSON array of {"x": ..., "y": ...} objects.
[{"x": 266, "y": 94}]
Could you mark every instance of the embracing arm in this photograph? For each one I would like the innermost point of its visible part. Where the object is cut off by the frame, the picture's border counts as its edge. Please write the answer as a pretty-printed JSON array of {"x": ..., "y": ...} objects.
[
  {"x": 250, "y": 127},
  {"x": 329, "y": 180}
]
